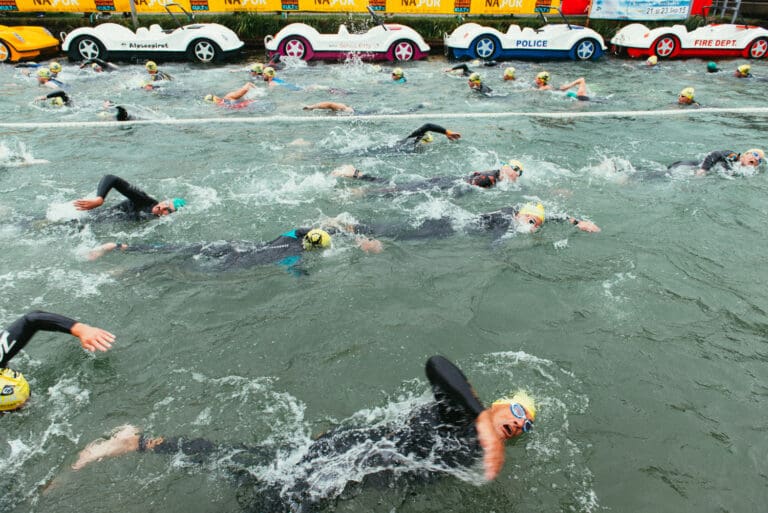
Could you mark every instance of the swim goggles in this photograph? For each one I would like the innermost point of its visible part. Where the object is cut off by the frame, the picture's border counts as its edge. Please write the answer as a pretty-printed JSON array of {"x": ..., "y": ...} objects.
[
  {"x": 757, "y": 156},
  {"x": 519, "y": 412}
]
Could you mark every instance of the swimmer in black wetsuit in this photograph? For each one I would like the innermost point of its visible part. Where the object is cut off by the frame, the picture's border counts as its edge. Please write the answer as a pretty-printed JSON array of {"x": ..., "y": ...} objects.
[
  {"x": 453, "y": 431},
  {"x": 14, "y": 390},
  {"x": 416, "y": 140},
  {"x": 476, "y": 84},
  {"x": 155, "y": 75},
  {"x": 99, "y": 65},
  {"x": 750, "y": 158},
  {"x": 139, "y": 204},
  {"x": 58, "y": 98},
  {"x": 510, "y": 171}
]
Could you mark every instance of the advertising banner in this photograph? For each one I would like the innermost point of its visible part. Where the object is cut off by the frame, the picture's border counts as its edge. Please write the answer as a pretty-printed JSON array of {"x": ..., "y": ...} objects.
[
  {"x": 333, "y": 5},
  {"x": 640, "y": 9},
  {"x": 506, "y": 7}
]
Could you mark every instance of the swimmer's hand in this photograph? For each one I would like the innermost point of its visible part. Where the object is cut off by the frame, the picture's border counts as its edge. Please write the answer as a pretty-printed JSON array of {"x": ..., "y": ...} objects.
[
  {"x": 701, "y": 172},
  {"x": 369, "y": 245},
  {"x": 88, "y": 203},
  {"x": 344, "y": 171},
  {"x": 587, "y": 226},
  {"x": 453, "y": 136},
  {"x": 493, "y": 446},
  {"x": 91, "y": 338},
  {"x": 103, "y": 250}
]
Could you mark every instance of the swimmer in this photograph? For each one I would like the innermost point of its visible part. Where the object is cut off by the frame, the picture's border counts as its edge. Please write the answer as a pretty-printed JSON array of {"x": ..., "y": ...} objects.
[
  {"x": 233, "y": 99},
  {"x": 58, "y": 99},
  {"x": 155, "y": 75},
  {"x": 712, "y": 67},
  {"x": 122, "y": 114},
  {"x": 15, "y": 389},
  {"x": 256, "y": 70},
  {"x": 465, "y": 70},
  {"x": 581, "y": 91},
  {"x": 55, "y": 68},
  {"x": 138, "y": 205},
  {"x": 332, "y": 106},
  {"x": 419, "y": 138},
  {"x": 269, "y": 77},
  {"x": 542, "y": 81},
  {"x": 285, "y": 250},
  {"x": 509, "y": 74},
  {"x": 651, "y": 61},
  {"x": 743, "y": 71},
  {"x": 686, "y": 97},
  {"x": 44, "y": 79},
  {"x": 398, "y": 76},
  {"x": 452, "y": 430},
  {"x": 476, "y": 84},
  {"x": 751, "y": 158},
  {"x": 98, "y": 65},
  {"x": 507, "y": 171}
]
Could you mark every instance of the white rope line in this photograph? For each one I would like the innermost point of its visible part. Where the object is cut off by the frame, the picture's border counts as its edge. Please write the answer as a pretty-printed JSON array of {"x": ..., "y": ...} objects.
[{"x": 376, "y": 117}]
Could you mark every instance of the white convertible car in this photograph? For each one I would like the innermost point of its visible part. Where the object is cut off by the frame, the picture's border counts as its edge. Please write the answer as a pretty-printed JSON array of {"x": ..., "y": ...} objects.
[
  {"x": 715, "y": 40},
  {"x": 202, "y": 42},
  {"x": 386, "y": 41},
  {"x": 552, "y": 41}
]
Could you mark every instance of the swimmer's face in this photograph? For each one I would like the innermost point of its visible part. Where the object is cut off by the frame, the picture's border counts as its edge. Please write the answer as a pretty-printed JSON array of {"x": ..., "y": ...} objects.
[
  {"x": 684, "y": 100},
  {"x": 42, "y": 80},
  {"x": 508, "y": 77},
  {"x": 530, "y": 221},
  {"x": 750, "y": 158},
  {"x": 510, "y": 173},
  {"x": 163, "y": 208},
  {"x": 473, "y": 84},
  {"x": 510, "y": 420}
]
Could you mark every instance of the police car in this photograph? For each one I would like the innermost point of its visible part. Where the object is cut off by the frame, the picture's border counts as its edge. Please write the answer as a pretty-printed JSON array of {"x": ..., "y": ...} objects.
[
  {"x": 551, "y": 41},
  {"x": 715, "y": 40},
  {"x": 202, "y": 42}
]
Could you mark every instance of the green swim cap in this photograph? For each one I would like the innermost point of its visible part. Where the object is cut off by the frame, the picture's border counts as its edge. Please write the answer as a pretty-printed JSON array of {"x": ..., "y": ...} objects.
[
  {"x": 711, "y": 66},
  {"x": 178, "y": 203}
]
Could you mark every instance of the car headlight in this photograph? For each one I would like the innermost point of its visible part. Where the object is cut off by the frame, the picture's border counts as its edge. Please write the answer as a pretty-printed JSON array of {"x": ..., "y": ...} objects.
[{"x": 21, "y": 39}]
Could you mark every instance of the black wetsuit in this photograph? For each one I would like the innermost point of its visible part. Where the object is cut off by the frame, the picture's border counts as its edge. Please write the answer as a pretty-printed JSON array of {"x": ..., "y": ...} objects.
[
  {"x": 122, "y": 114},
  {"x": 413, "y": 141},
  {"x": 60, "y": 94},
  {"x": 465, "y": 71},
  {"x": 105, "y": 66},
  {"x": 482, "y": 179},
  {"x": 483, "y": 89},
  {"x": 160, "y": 75},
  {"x": 15, "y": 337},
  {"x": 285, "y": 250},
  {"x": 138, "y": 205},
  {"x": 440, "y": 434},
  {"x": 726, "y": 157}
]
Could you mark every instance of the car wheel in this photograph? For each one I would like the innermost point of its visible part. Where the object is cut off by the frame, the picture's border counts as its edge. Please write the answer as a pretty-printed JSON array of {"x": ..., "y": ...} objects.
[
  {"x": 666, "y": 46},
  {"x": 402, "y": 51},
  {"x": 584, "y": 50},
  {"x": 203, "y": 50},
  {"x": 758, "y": 48},
  {"x": 86, "y": 47},
  {"x": 485, "y": 47},
  {"x": 297, "y": 47},
  {"x": 5, "y": 52}
]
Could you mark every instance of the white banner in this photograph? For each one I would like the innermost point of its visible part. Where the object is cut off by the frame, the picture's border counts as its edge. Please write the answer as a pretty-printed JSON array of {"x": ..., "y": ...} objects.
[{"x": 640, "y": 9}]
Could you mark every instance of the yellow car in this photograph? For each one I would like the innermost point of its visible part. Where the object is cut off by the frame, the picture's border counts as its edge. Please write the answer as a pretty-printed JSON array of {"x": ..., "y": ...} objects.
[{"x": 18, "y": 43}]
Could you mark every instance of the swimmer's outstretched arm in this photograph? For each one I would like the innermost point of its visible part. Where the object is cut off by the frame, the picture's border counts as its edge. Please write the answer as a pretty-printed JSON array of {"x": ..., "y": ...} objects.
[
  {"x": 463, "y": 67},
  {"x": 349, "y": 171},
  {"x": 143, "y": 248},
  {"x": 18, "y": 334},
  {"x": 109, "y": 182},
  {"x": 581, "y": 224},
  {"x": 431, "y": 127},
  {"x": 56, "y": 94},
  {"x": 334, "y": 106}
]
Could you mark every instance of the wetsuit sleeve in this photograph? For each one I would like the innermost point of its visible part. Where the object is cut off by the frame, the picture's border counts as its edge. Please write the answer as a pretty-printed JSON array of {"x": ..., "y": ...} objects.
[
  {"x": 719, "y": 157},
  {"x": 58, "y": 94},
  {"x": 138, "y": 197},
  {"x": 450, "y": 385},
  {"x": 464, "y": 68},
  {"x": 21, "y": 331},
  {"x": 423, "y": 129},
  {"x": 162, "y": 248}
]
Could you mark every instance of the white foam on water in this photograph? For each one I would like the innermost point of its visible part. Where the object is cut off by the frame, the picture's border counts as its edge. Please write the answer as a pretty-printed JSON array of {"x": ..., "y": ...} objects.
[{"x": 18, "y": 156}]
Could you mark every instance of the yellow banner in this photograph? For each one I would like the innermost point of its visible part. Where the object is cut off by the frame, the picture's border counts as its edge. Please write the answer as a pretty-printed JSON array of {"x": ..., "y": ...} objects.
[
  {"x": 419, "y": 6},
  {"x": 332, "y": 5},
  {"x": 500, "y": 7}
]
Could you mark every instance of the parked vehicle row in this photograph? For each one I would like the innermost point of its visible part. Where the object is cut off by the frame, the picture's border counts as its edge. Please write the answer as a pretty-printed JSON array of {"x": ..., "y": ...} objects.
[{"x": 212, "y": 42}]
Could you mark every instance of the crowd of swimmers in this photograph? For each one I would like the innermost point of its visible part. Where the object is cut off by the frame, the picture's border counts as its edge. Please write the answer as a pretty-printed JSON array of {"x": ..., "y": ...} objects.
[{"x": 456, "y": 412}]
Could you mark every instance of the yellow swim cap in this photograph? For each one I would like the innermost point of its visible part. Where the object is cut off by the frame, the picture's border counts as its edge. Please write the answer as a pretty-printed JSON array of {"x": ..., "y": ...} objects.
[
  {"x": 428, "y": 138},
  {"x": 257, "y": 68},
  {"x": 652, "y": 60},
  {"x": 757, "y": 152},
  {"x": 151, "y": 66},
  {"x": 687, "y": 92},
  {"x": 14, "y": 390},
  {"x": 535, "y": 211},
  {"x": 55, "y": 67},
  {"x": 543, "y": 76},
  {"x": 44, "y": 73},
  {"x": 210, "y": 98},
  {"x": 744, "y": 69},
  {"x": 269, "y": 71},
  {"x": 525, "y": 400},
  {"x": 475, "y": 77},
  {"x": 316, "y": 238},
  {"x": 57, "y": 101},
  {"x": 397, "y": 72},
  {"x": 516, "y": 165},
  {"x": 509, "y": 72}
]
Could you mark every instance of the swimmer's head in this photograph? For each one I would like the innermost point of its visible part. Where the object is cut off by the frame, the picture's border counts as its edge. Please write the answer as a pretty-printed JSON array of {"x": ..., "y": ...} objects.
[
  {"x": 168, "y": 206},
  {"x": 316, "y": 239},
  {"x": 542, "y": 78},
  {"x": 256, "y": 68},
  {"x": 753, "y": 157},
  {"x": 55, "y": 67},
  {"x": 268, "y": 73},
  {"x": 475, "y": 81},
  {"x": 743, "y": 71},
  {"x": 14, "y": 390},
  {"x": 652, "y": 61},
  {"x": 686, "y": 96},
  {"x": 428, "y": 138},
  {"x": 512, "y": 170},
  {"x": 397, "y": 73},
  {"x": 531, "y": 214},
  {"x": 96, "y": 67},
  {"x": 57, "y": 101},
  {"x": 712, "y": 67},
  {"x": 513, "y": 416},
  {"x": 151, "y": 66},
  {"x": 43, "y": 74},
  {"x": 509, "y": 73},
  {"x": 211, "y": 98}
]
